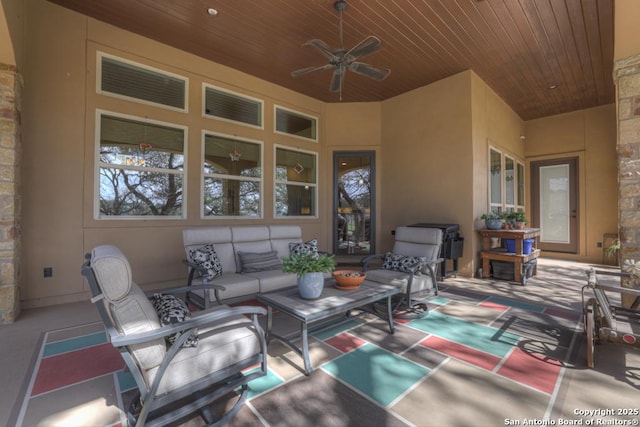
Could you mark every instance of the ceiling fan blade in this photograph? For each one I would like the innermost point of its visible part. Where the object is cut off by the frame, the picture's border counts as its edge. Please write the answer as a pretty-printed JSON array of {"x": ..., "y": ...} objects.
[
  {"x": 336, "y": 80},
  {"x": 322, "y": 47},
  {"x": 369, "y": 70},
  {"x": 365, "y": 47},
  {"x": 308, "y": 70}
]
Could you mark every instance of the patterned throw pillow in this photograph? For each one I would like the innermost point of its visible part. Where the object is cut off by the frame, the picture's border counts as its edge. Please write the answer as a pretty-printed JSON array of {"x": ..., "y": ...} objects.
[
  {"x": 252, "y": 262},
  {"x": 172, "y": 310},
  {"x": 402, "y": 263},
  {"x": 206, "y": 257},
  {"x": 304, "y": 248}
]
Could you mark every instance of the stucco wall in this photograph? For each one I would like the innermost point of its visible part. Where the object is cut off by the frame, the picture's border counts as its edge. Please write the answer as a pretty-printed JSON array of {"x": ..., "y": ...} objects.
[
  {"x": 427, "y": 152},
  {"x": 59, "y": 152},
  {"x": 589, "y": 135}
]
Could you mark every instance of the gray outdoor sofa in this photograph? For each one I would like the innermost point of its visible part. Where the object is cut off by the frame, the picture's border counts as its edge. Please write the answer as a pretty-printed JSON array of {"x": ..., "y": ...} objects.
[{"x": 249, "y": 257}]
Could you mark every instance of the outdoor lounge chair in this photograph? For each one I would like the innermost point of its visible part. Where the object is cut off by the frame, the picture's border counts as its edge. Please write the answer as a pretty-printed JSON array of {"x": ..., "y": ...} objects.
[
  {"x": 175, "y": 380},
  {"x": 411, "y": 264}
]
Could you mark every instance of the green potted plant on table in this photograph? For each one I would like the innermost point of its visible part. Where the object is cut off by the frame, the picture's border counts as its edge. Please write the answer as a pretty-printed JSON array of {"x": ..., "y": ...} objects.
[
  {"x": 493, "y": 220},
  {"x": 310, "y": 269}
]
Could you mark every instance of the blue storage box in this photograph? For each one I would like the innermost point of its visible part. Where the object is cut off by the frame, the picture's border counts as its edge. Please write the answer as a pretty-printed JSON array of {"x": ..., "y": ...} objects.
[{"x": 527, "y": 245}]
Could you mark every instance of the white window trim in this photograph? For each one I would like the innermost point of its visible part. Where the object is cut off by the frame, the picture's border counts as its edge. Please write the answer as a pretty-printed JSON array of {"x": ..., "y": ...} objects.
[
  {"x": 98, "y": 165},
  {"x": 503, "y": 206},
  {"x": 492, "y": 205},
  {"x": 230, "y": 177},
  {"x": 99, "y": 90},
  {"x": 239, "y": 95},
  {"x": 524, "y": 182},
  {"x": 509, "y": 207},
  {"x": 277, "y": 107},
  {"x": 300, "y": 184}
]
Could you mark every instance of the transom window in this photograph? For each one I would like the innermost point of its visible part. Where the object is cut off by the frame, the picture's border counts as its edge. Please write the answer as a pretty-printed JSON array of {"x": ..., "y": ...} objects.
[
  {"x": 296, "y": 124},
  {"x": 296, "y": 183},
  {"x": 140, "y": 168},
  {"x": 232, "y": 177},
  {"x": 139, "y": 82},
  {"x": 227, "y": 105}
]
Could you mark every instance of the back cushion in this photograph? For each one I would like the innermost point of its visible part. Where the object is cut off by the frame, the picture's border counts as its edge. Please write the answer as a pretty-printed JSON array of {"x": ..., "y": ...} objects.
[
  {"x": 112, "y": 271},
  {"x": 417, "y": 241},
  {"x": 134, "y": 314},
  {"x": 250, "y": 239},
  {"x": 219, "y": 237},
  {"x": 282, "y": 235},
  {"x": 130, "y": 309}
]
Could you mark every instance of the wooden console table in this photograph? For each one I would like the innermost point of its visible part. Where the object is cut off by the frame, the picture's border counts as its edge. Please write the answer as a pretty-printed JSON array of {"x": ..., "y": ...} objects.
[{"x": 518, "y": 258}]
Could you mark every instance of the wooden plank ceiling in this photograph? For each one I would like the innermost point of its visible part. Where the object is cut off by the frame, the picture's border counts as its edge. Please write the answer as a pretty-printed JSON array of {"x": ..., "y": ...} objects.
[{"x": 520, "y": 48}]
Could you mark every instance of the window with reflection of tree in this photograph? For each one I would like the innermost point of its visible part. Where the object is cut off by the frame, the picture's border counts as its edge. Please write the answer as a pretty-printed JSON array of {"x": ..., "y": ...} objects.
[
  {"x": 141, "y": 168},
  {"x": 296, "y": 183},
  {"x": 232, "y": 177}
]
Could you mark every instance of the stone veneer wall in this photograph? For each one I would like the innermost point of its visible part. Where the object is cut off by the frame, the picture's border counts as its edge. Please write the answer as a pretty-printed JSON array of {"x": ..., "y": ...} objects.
[
  {"x": 627, "y": 80},
  {"x": 10, "y": 140}
]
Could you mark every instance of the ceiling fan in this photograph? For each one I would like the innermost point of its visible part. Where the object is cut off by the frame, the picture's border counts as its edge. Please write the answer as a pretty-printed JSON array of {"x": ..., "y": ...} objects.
[{"x": 343, "y": 59}]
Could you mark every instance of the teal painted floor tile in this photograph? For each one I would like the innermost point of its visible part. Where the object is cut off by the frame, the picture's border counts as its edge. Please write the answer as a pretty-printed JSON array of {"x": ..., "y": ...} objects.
[
  {"x": 517, "y": 304},
  {"x": 335, "y": 330},
  {"x": 439, "y": 300},
  {"x": 72, "y": 344},
  {"x": 262, "y": 384},
  {"x": 125, "y": 381},
  {"x": 474, "y": 335},
  {"x": 378, "y": 373}
]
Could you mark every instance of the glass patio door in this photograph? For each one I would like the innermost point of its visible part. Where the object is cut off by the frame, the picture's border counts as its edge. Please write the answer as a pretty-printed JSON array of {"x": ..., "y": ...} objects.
[
  {"x": 555, "y": 204},
  {"x": 353, "y": 190}
]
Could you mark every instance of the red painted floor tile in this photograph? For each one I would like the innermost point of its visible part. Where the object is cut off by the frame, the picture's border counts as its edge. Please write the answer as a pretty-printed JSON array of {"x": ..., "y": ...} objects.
[
  {"x": 493, "y": 305},
  {"x": 532, "y": 369},
  {"x": 76, "y": 366},
  {"x": 345, "y": 342},
  {"x": 462, "y": 352}
]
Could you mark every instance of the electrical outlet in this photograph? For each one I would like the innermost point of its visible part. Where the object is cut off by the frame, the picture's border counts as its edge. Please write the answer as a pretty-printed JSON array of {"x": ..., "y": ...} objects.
[
  {"x": 48, "y": 271},
  {"x": 599, "y": 244}
]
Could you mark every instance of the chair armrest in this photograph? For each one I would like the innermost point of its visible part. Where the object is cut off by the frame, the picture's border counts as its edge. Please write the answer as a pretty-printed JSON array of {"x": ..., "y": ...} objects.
[
  {"x": 365, "y": 261},
  {"x": 189, "y": 288},
  {"x": 208, "y": 319}
]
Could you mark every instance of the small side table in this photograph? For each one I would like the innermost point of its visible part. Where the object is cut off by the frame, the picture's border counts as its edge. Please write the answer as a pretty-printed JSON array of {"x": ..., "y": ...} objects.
[{"x": 517, "y": 258}]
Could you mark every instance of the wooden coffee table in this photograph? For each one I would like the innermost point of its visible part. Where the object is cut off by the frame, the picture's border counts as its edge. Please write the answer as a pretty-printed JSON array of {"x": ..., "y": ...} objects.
[{"x": 332, "y": 302}]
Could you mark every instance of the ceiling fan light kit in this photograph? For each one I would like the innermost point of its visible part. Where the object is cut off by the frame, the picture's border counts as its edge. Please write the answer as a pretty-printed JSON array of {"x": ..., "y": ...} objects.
[{"x": 342, "y": 59}]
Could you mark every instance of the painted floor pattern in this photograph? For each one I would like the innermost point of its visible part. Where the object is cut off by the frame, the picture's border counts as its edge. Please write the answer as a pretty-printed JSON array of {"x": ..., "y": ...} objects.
[{"x": 505, "y": 339}]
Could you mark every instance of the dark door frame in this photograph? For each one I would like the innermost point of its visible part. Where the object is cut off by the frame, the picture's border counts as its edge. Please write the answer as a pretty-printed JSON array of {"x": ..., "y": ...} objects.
[{"x": 336, "y": 196}]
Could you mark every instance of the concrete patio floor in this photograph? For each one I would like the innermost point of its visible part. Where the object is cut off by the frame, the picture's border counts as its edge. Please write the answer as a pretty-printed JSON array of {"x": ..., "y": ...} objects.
[{"x": 614, "y": 383}]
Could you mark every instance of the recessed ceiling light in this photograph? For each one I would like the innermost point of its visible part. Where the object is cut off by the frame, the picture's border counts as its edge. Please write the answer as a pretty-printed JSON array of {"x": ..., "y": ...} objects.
[{"x": 211, "y": 11}]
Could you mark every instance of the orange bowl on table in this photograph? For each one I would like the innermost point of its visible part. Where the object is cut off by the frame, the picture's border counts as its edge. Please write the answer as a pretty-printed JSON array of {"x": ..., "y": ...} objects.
[{"x": 346, "y": 279}]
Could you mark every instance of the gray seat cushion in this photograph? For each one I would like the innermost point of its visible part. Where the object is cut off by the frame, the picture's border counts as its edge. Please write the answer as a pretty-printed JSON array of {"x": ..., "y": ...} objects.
[{"x": 214, "y": 352}]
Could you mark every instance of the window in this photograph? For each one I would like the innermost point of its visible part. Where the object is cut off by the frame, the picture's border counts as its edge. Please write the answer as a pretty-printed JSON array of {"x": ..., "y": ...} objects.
[
  {"x": 509, "y": 183},
  {"x": 141, "y": 83},
  {"x": 506, "y": 182},
  {"x": 296, "y": 183},
  {"x": 231, "y": 106},
  {"x": 296, "y": 124},
  {"x": 141, "y": 168},
  {"x": 495, "y": 180},
  {"x": 520, "y": 181},
  {"x": 232, "y": 171}
]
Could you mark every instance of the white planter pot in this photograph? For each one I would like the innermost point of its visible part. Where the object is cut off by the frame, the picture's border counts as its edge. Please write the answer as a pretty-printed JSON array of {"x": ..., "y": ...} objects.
[{"x": 310, "y": 285}]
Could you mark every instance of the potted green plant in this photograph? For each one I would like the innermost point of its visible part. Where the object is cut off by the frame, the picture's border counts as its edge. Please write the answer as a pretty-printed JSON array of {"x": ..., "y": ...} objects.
[
  {"x": 520, "y": 220},
  {"x": 493, "y": 220},
  {"x": 310, "y": 269},
  {"x": 515, "y": 219}
]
